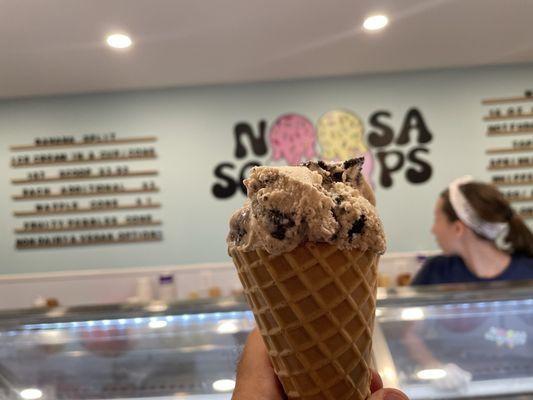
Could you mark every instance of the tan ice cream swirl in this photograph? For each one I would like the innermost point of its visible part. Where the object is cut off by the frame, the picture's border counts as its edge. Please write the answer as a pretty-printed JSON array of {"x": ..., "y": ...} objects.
[{"x": 315, "y": 202}]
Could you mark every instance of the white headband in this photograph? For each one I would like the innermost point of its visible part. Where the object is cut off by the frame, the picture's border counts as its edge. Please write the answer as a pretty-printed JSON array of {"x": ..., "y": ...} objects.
[{"x": 465, "y": 212}]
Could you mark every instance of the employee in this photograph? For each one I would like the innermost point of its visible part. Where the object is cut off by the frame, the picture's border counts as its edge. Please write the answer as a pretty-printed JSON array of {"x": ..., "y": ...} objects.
[{"x": 483, "y": 239}]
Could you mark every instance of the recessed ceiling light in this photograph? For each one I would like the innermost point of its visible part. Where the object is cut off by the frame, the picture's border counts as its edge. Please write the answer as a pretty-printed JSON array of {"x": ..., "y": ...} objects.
[
  {"x": 119, "y": 41},
  {"x": 375, "y": 22}
]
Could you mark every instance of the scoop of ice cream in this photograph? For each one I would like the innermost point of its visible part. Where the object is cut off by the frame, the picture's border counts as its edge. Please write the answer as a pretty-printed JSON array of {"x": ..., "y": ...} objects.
[{"x": 317, "y": 202}]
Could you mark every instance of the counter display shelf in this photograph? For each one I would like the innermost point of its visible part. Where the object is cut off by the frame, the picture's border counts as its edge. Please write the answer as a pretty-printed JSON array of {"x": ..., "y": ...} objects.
[
  {"x": 466, "y": 341},
  {"x": 189, "y": 350}
]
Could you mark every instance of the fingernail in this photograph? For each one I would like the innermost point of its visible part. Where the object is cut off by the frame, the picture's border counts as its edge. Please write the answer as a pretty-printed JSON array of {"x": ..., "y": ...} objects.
[{"x": 394, "y": 394}]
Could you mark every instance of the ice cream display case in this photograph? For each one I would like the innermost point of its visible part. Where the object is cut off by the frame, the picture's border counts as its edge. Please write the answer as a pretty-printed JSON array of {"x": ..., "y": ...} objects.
[
  {"x": 457, "y": 341},
  {"x": 437, "y": 343},
  {"x": 155, "y": 351}
]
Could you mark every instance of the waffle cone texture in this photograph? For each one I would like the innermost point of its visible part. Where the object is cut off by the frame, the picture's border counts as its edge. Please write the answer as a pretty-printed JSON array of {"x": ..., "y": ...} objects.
[{"x": 315, "y": 309}]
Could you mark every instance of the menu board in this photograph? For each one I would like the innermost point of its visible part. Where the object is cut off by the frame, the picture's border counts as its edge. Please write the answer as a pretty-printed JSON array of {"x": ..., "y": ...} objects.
[
  {"x": 511, "y": 166},
  {"x": 85, "y": 190}
]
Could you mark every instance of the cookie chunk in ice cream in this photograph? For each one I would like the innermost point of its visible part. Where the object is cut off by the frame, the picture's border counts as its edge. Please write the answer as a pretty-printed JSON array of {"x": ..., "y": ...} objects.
[{"x": 316, "y": 202}]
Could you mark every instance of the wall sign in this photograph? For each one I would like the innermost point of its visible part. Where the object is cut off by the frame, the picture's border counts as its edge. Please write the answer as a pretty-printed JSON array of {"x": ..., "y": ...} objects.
[
  {"x": 338, "y": 135},
  {"x": 77, "y": 194},
  {"x": 511, "y": 166}
]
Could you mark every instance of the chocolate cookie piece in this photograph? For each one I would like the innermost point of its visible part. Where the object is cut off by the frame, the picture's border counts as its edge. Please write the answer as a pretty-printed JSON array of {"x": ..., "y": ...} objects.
[
  {"x": 353, "y": 162},
  {"x": 338, "y": 199},
  {"x": 280, "y": 222},
  {"x": 357, "y": 227},
  {"x": 337, "y": 176},
  {"x": 348, "y": 172}
]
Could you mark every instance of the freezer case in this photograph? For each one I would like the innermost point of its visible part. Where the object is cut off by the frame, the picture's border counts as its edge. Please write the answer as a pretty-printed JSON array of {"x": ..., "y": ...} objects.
[
  {"x": 189, "y": 350},
  {"x": 467, "y": 341},
  {"x": 186, "y": 351}
]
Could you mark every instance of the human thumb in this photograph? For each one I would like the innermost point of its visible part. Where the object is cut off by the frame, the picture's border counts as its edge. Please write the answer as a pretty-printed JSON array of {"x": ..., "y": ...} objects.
[{"x": 388, "y": 394}]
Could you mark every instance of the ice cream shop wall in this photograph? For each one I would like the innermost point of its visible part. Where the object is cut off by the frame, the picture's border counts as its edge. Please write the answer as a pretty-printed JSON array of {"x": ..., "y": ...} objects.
[{"x": 151, "y": 177}]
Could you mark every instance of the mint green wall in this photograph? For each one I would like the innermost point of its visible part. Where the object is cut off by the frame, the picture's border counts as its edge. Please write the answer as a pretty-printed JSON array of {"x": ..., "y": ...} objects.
[{"x": 195, "y": 130}]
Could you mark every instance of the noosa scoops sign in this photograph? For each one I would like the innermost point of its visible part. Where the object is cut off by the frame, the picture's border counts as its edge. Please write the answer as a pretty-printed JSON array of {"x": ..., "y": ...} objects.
[{"x": 391, "y": 150}]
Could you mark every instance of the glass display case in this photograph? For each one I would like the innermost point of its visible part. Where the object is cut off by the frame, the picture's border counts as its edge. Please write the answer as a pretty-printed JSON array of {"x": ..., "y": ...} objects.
[
  {"x": 185, "y": 351},
  {"x": 436, "y": 343},
  {"x": 462, "y": 341}
]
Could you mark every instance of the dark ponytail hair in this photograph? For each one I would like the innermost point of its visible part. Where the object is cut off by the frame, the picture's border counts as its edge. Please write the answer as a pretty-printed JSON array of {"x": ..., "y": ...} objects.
[
  {"x": 520, "y": 236},
  {"x": 491, "y": 206}
]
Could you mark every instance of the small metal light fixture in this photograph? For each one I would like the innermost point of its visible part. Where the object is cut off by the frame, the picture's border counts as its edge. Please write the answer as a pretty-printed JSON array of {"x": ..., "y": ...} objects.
[
  {"x": 119, "y": 41},
  {"x": 375, "y": 22}
]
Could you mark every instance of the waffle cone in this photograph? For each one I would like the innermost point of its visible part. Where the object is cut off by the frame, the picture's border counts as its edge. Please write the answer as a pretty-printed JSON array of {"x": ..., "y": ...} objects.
[{"x": 315, "y": 309}]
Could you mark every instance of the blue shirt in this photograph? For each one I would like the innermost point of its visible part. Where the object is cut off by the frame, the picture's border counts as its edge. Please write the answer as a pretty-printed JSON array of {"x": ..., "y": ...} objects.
[{"x": 452, "y": 269}]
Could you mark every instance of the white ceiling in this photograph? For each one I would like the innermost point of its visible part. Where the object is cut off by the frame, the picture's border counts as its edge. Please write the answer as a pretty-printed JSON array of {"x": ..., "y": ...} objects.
[{"x": 57, "y": 46}]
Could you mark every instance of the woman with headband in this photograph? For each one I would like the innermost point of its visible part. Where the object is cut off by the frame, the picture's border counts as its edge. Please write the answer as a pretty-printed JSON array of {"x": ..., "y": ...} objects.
[{"x": 482, "y": 238}]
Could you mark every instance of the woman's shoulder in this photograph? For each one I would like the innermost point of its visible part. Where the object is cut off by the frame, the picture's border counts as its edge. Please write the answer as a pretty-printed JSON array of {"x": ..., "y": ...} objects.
[
  {"x": 523, "y": 256},
  {"x": 522, "y": 260},
  {"x": 442, "y": 261},
  {"x": 521, "y": 268},
  {"x": 438, "y": 269}
]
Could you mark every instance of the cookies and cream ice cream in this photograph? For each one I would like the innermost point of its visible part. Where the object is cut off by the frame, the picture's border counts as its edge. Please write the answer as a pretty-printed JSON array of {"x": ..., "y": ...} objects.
[
  {"x": 314, "y": 202},
  {"x": 306, "y": 246}
]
